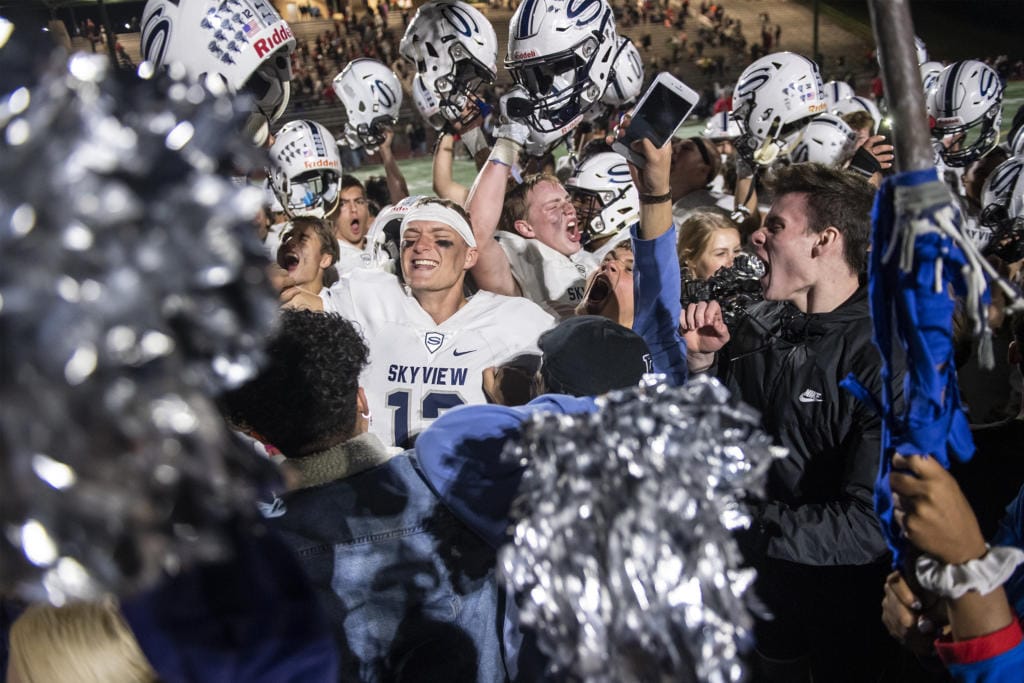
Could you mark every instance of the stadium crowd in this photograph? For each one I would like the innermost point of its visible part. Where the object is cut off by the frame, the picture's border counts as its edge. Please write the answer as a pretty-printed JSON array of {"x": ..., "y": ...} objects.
[{"x": 420, "y": 337}]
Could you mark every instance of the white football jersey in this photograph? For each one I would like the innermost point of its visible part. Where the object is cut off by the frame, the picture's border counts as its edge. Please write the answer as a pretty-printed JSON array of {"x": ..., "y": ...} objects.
[
  {"x": 550, "y": 279},
  {"x": 351, "y": 257},
  {"x": 418, "y": 368}
]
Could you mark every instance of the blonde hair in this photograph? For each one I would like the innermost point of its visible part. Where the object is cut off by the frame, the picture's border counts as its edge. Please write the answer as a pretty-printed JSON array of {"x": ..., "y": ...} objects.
[
  {"x": 696, "y": 231},
  {"x": 81, "y": 642}
]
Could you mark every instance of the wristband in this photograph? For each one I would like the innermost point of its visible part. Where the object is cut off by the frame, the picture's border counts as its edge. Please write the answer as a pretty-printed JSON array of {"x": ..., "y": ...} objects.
[
  {"x": 655, "y": 198},
  {"x": 865, "y": 163},
  {"x": 505, "y": 152},
  {"x": 984, "y": 575},
  {"x": 474, "y": 140}
]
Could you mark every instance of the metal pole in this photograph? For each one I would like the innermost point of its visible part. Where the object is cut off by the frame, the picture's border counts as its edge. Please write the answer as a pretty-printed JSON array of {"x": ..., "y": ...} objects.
[
  {"x": 894, "y": 38},
  {"x": 111, "y": 39}
]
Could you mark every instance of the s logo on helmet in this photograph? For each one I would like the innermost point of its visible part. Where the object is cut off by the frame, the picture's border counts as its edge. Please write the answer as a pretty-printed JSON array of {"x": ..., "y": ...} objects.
[
  {"x": 464, "y": 24},
  {"x": 155, "y": 36},
  {"x": 753, "y": 82},
  {"x": 989, "y": 84},
  {"x": 619, "y": 174},
  {"x": 584, "y": 11},
  {"x": 384, "y": 94}
]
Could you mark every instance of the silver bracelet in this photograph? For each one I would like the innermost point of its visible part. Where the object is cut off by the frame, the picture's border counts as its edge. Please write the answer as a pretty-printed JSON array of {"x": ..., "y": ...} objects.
[{"x": 984, "y": 575}]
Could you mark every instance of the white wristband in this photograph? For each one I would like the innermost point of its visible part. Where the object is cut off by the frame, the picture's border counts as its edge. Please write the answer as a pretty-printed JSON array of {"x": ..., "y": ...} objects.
[
  {"x": 984, "y": 575},
  {"x": 505, "y": 152}
]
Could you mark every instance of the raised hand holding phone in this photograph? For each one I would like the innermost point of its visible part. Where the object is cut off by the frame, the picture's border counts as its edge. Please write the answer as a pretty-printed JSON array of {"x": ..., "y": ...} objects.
[{"x": 662, "y": 109}]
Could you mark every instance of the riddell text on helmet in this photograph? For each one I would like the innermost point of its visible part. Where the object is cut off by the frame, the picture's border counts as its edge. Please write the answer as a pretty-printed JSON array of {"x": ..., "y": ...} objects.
[{"x": 280, "y": 35}]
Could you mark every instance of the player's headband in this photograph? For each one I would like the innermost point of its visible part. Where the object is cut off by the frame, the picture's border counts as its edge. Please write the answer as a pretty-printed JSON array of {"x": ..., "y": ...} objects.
[{"x": 431, "y": 211}]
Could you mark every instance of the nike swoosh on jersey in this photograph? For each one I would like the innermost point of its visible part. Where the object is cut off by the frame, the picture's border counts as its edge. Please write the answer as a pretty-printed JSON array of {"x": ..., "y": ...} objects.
[
  {"x": 810, "y": 396},
  {"x": 457, "y": 353}
]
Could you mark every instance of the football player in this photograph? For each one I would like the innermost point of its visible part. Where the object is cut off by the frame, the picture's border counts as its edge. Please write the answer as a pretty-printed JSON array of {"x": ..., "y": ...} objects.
[{"x": 429, "y": 342}]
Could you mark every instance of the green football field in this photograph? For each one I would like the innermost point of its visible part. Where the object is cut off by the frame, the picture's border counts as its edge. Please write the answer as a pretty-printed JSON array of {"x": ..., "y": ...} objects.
[{"x": 418, "y": 172}]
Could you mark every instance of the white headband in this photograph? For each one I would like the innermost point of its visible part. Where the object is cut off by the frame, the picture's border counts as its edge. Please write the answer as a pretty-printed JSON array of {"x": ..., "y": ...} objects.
[{"x": 431, "y": 211}]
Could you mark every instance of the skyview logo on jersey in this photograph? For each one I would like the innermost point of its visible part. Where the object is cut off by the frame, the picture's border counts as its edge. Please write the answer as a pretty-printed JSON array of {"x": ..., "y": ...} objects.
[{"x": 433, "y": 341}]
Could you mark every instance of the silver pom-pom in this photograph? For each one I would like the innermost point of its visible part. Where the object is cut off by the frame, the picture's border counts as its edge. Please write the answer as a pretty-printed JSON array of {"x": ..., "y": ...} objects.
[
  {"x": 623, "y": 554},
  {"x": 131, "y": 289}
]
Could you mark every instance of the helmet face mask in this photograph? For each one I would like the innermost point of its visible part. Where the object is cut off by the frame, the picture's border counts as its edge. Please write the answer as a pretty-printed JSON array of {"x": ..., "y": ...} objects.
[
  {"x": 564, "y": 55},
  {"x": 966, "y": 106}
]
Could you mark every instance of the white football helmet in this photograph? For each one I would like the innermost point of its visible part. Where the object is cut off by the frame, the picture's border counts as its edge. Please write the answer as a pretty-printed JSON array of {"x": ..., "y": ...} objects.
[
  {"x": 1002, "y": 199},
  {"x": 602, "y": 191},
  {"x": 627, "y": 76},
  {"x": 721, "y": 126},
  {"x": 827, "y": 139},
  {"x": 967, "y": 106},
  {"x": 427, "y": 103},
  {"x": 563, "y": 53},
  {"x": 774, "y": 97},
  {"x": 372, "y": 95},
  {"x": 930, "y": 75},
  {"x": 1017, "y": 142},
  {"x": 858, "y": 103},
  {"x": 836, "y": 91},
  {"x": 243, "y": 42},
  {"x": 455, "y": 50},
  {"x": 383, "y": 241},
  {"x": 305, "y": 170}
]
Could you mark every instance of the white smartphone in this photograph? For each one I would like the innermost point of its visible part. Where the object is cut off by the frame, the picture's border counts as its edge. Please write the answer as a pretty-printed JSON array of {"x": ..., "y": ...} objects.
[{"x": 657, "y": 116}]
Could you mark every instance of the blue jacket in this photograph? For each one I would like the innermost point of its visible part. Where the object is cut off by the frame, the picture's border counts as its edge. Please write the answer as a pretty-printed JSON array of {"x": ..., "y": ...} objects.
[
  {"x": 405, "y": 585},
  {"x": 656, "y": 303},
  {"x": 460, "y": 456}
]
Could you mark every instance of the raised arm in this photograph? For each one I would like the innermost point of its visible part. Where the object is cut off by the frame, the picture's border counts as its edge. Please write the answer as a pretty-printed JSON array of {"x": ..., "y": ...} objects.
[
  {"x": 397, "y": 187},
  {"x": 492, "y": 271},
  {"x": 444, "y": 183},
  {"x": 656, "y": 307}
]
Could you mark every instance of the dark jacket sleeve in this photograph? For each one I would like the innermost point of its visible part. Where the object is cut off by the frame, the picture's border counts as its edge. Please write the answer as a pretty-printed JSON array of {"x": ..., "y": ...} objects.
[{"x": 656, "y": 306}]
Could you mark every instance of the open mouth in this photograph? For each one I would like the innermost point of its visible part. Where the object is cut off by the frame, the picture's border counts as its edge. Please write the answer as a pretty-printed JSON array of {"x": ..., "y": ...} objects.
[
  {"x": 355, "y": 228},
  {"x": 572, "y": 228},
  {"x": 288, "y": 260},
  {"x": 597, "y": 295}
]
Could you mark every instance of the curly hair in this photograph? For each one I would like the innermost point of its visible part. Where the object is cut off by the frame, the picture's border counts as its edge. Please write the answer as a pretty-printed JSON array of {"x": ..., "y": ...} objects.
[
  {"x": 835, "y": 197},
  {"x": 304, "y": 400}
]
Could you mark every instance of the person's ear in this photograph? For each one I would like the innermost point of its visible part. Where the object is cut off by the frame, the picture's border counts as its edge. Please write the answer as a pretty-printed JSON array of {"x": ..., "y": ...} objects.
[
  {"x": 524, "y": 229},
  {"x": 827, "y": 241},
  {"x": 362, "y": 412},
  {"x": 326, "y": 261},
  {"x": 472, "y": 254}
]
